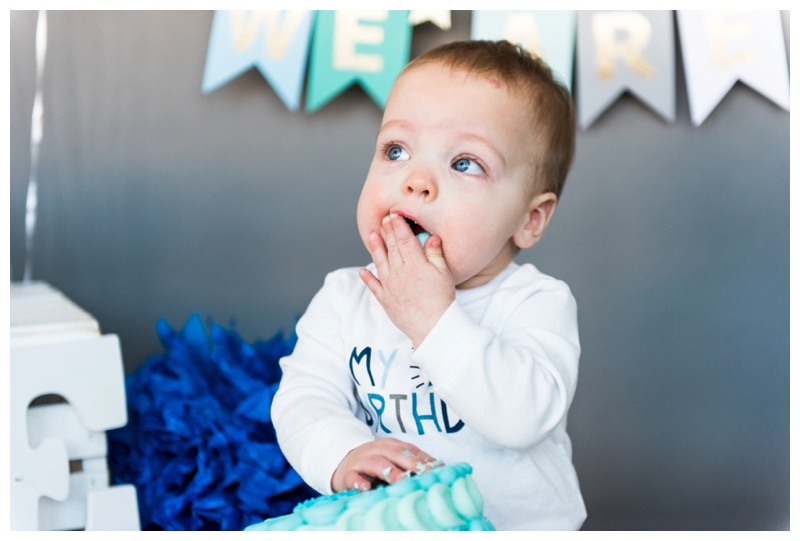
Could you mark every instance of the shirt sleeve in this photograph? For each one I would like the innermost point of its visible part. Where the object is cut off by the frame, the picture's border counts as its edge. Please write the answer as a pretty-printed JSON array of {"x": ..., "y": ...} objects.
[
  {"x": 315, "y": 412},
  {"x": 511, "y": 379}
]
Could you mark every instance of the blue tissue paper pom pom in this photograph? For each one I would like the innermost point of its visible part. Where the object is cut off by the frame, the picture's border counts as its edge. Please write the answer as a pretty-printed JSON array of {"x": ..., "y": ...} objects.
[{"x": 199, "y": 445}]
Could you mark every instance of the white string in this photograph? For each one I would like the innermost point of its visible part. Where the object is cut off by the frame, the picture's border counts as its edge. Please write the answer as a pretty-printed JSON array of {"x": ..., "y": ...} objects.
[{"x": 31, "y": 201}]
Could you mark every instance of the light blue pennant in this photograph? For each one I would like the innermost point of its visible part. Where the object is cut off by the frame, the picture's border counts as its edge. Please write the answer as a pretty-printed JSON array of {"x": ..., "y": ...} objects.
[
  {"x": 549, "y": 34},
  {"x": 367, "y": 47},
  {"x": 276, "y": 42}
]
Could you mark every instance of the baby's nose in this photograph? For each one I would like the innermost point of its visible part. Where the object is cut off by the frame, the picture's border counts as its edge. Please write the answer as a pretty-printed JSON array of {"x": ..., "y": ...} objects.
[{"x": 421, "y": 183}]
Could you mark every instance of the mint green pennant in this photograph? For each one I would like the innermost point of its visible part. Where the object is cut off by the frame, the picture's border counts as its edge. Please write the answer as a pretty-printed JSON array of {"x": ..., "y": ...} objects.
[{"x": 365, "y": 47}]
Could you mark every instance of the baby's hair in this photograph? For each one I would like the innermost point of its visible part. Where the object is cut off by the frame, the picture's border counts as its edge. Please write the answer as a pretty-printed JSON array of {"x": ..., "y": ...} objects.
[{"x": 549, "y": 100}]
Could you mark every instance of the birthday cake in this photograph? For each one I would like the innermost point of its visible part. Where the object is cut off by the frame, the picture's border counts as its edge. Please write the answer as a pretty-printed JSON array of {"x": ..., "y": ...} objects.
[{"x": 444, "y": 498}]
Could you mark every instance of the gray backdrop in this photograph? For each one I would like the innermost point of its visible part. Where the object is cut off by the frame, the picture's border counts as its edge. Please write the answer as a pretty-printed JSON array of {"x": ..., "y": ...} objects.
[{"x": 158, "y": 201}]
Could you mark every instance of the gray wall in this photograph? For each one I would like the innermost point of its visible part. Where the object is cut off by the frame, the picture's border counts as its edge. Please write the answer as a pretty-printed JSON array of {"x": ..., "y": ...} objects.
[{"x": 158, "y": 201}]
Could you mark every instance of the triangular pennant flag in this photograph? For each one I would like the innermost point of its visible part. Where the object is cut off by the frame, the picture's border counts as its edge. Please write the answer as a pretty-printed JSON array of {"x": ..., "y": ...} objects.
[
  {"x": 625, "y": 50},
  {"x": 439, "y": 17},
  {"x": 368, "y": 47},
  {"x": 721, "y": 47},
  {"x": 548, "y": 34},
  {"x": 276, "y": 42}
]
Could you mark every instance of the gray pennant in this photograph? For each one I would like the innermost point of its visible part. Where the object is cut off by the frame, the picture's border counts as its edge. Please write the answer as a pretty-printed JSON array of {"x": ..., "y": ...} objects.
[{"x": 625, "y": 50}]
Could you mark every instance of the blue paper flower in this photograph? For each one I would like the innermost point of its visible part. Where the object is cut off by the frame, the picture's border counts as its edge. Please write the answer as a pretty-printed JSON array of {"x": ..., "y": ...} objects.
[{"x": 199, "y": 444}]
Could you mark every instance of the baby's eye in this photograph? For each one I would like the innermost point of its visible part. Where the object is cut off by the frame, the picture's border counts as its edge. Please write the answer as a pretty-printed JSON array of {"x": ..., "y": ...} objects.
[
  {"x": 396, "y": 153},
  {"x": 468, "y": 166}
]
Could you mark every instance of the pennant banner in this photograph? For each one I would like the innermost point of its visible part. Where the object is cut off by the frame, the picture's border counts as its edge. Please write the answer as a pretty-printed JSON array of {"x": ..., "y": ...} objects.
[
  {"x": 548, "y": 34},
  {"x": 721, "y": 47},
  {"x": 367, "y": 47},
  {"x": 615, "y": 52},
  {"x": 276, "y": 42},
  {"x": 625, "y": 50}
]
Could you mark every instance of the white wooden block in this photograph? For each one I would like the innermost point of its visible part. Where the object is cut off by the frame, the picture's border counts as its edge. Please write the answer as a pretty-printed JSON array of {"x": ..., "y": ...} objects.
[
  {"x": 95, "y": 474},
  {"x": 113, "y": 509},
  {"x": 71, "y": 514},
  {"x": 89, "y": 448},
  {"x": 40, "y": 313},
  {"x": 88, "y": 373},
  {"x": 39, "y": 473},
  {"x": 56, "y": 349},
  {"x": 61, "y": 420}
]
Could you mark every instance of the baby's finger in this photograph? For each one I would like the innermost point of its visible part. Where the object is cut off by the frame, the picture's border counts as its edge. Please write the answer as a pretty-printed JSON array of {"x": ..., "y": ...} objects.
[
  {"x": 392, "y": 253},
  {"x": 412, "y": 460},
  {"x": 408, "y": 245},
  {"x": 354, "y": 480},
  {"x": 381, "y": 468},
  {"x": 392, "y": 474},
  {"x": 377, "y": 250},
  {"x": 433, "y": 251},
  {"x": 372, "y": 283}
]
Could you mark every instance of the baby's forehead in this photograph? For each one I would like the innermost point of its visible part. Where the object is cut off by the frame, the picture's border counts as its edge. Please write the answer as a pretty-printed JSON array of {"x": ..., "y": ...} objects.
[
  {"x": 519, "y": 95},
  {"x": 512, "y": 80},
  {"x": 456, "y": 72},
  {"x": 456, "y": 78},
  {"x": 437, "y": 81}
]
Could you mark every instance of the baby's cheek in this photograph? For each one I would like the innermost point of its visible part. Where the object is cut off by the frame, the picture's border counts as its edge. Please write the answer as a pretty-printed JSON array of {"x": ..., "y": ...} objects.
[
  {"x": 453, "y": 252},
  {"x": 461, "y": 243},
  {"x": 365, "y": 214},
  {"x": 467, "y": 253}
]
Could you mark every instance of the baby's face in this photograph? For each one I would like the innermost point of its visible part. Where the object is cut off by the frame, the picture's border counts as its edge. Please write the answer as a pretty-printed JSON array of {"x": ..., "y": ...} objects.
[{"x": 453, "y": 156}]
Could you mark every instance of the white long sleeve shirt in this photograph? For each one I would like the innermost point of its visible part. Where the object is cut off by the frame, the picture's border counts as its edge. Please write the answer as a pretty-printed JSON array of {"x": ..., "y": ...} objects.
[{"x": 490, "y": 385}]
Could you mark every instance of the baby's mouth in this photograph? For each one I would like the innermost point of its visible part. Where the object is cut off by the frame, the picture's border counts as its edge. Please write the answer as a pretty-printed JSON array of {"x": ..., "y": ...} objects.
[{"x": 416, "y": 229}]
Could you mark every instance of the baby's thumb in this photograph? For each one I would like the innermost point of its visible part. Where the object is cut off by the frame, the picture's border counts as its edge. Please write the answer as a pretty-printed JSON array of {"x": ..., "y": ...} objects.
[{"x": 433, "y": 251}]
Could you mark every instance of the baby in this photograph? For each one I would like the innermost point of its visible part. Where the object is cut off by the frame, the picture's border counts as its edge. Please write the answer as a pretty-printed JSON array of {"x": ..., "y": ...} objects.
[{"x": 444, "y": 348}]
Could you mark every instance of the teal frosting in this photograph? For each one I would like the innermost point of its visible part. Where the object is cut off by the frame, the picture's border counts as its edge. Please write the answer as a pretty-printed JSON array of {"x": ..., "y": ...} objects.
[{"x": 444, "y": 498}]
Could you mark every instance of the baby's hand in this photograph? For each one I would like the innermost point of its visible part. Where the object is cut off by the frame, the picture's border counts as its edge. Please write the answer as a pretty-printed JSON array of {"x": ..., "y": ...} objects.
[
  {"x": 386, "y": 460},
  {"x": 414, "y": 287}
]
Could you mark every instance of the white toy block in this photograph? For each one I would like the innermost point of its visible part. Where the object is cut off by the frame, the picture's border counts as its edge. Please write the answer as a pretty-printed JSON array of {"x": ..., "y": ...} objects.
[
  {"x": 40, "y": 313},
  {"x": 62, "y": 421},
  {"x": 36, "y": 473},
  {"x": 88, "y": 374},
  {"x": 85, "y": 448},
  {"x": 69, "y": 514},
  {"x": 113, "y": 509},
  {"x": 57, "y": 349},
  {"x": 73, "y": 513}
]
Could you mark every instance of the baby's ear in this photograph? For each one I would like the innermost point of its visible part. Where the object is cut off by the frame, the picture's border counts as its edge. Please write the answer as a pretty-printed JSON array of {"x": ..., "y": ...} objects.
[{"x": 538, "y": 216}]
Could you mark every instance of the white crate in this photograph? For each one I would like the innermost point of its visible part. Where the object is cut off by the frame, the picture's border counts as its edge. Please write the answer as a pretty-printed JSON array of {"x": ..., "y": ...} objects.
[{"x": 57, "y": 350}]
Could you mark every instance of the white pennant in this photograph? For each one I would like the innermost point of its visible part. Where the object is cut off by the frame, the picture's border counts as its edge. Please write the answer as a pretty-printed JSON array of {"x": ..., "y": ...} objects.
[{"x": 722, "y": 47}]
